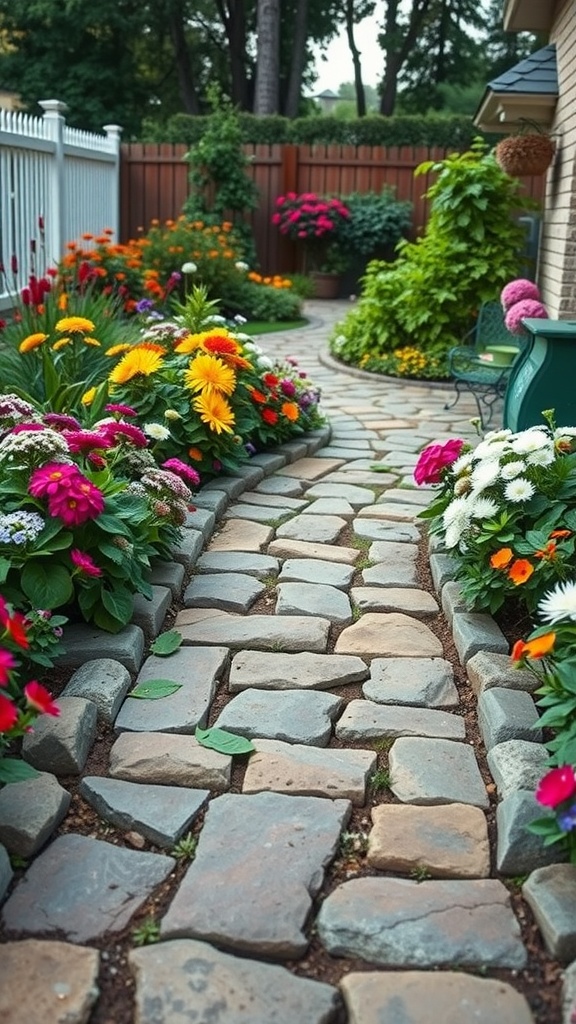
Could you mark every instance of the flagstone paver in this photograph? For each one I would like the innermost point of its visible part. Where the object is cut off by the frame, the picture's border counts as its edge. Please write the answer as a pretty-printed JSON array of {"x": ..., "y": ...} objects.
[
  {"x": 418, "y": 603},
  {"x": 316, "y": 570},
  {"x": 422, "y": 682},
  {"x": 392, "y": 510},
  {"x": 396, "y": 922},
  {"x": 309, "y": 771},
  {"x": 307, "y": 598},
  {"x": 258, "y": 865},
  {"x": 243, "y": 562},
  {"x": 374, "y": 529},
  {"x": 182, "y": 980},
  {"x": 296, "y": 716},
  {"x": 329, "y": 507},
  {"x": 279, "y": 484},
  {"x": 60, "y": 988},
  {"x": 312, "y": 468},
  {"x": 304, "y": 671},
  {"x": 445, "y": 841},
  {"x": 159, "y": 813},
  {"x": 377, "y": 634},
  {"x": 551, "y": 894},
  {"x": 102, "y": 681},
  {"x": 169, "y": 760},
  {"x": 30, "y": 811},
  {"x": 363, "y": 720},
  {"x": 231, "y": 591},
  {"x": 312, "y": 529},
  {"x": 61, "y": 745},
  {"x": 263, "y": 632},
  {"x": 435, "y": 771},
  {"x": 355, "y": 496},
  {"x": 273, "y": 501},
  {"x": 517, "y": 764},
  {"x": 241, "y": 535},
  {"x": 284, "y": 548}
]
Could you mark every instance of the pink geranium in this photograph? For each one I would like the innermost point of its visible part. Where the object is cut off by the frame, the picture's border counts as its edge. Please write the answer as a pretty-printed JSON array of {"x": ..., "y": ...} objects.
[
  {"x": 558, "y": 785},
  {"x": 39, "y": 698},
  {"x": 8, "y": 713},
  {"x": 7, "y": 664},
  {"x": 77, "y": 503},
  {"x": 517, "y": 291},
  {"x": 181, "y": 469},
  {"x": 517, "y": 313},
  {"x": 84, "y": 563},
  {"x": 434, "y": 459},
  {"x": 50, "y": 478}
]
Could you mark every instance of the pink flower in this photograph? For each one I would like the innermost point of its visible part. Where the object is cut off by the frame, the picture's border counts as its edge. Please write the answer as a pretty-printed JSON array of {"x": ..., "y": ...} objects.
[
  {"x": 38, "y": 697},
  {"x": 21, "y": 428},
  {"x": 84, "y": 563},
  {"x": 7, "y": 663},
  {"x": 51, "y": 477},
  {"x": 518, "y": 290},
  {"x": 61, "y": 421},
  {"x": 118, "y": 431},
  {"x": 77, "y": 503},
  {"x": 435, "y": 458},
  {"x": 8, "y": 714},
  {"x": 181, "y": 469},
  {"x": 521, "y": 310},
  {"x": 121, "y": 410},
  {"x": 558, "y": 785},
  {"x": 85, "y": 440}
]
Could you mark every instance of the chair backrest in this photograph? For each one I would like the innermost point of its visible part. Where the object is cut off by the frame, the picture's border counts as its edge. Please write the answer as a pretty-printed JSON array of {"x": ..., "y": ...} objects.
[{"x": 490, "y": 328}]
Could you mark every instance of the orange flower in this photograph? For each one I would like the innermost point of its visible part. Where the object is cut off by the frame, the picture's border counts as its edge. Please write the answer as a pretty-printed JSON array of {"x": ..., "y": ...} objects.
[
  {"x": 520, "y": 571},
  {"x": 560, "y": 533},
  {"x": 500, "y": 559},
  {"x": 257, "y": 396},
  {"x": 539, "y": 647},
  {"x": 517, "y": 652},
  {"x": 548, "y": 552},
  {"x": 195, "y": 454},
  {"x": 290, "y": 411}
]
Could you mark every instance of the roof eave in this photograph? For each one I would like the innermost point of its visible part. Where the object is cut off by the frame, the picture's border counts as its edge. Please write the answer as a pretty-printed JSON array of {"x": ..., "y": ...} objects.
[
  {"x": 506, "y": 111},
  {"x": 528, "y": 15}
]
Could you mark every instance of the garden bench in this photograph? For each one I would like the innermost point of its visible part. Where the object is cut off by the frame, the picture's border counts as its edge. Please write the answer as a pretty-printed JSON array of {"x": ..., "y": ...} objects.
[{"x": 482, "y": 364}]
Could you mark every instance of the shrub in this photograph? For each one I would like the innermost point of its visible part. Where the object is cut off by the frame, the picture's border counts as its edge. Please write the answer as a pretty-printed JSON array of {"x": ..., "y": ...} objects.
[{"x": 376, "y": 223}]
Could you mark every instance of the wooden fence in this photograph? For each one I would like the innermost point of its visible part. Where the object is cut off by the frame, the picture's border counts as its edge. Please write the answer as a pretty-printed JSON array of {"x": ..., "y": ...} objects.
[{"x": 154, "y": 184}]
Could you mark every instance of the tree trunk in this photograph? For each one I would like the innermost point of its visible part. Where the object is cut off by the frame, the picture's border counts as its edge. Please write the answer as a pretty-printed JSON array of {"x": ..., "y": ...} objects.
[
  {"x": 358, "y": 83},
  {"x": 182, "y": 59},
  {"x": 298, "y": 62},
  {"x": 233, "y": 17},
  {"x": 267, "y": 88},
  {"x": 397, "y": 47}
]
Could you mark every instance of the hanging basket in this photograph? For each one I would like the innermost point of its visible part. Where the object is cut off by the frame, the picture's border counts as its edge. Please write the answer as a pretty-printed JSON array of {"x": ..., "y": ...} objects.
[{"x": 523, "y": 155}]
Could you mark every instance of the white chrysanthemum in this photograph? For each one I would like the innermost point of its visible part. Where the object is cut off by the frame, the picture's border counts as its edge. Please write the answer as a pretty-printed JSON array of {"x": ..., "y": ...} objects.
[
  {"x": 264, "y": 363},
  {"x": 461, "y": 464},
  {"x": 490, "y": 449},
  {"x": 564, "y": 432},
  {"x": 484, "y": 508},
  {"x": 456, "y": 520},
  {"x": 543, "y": 457},
  {"x": 189, "y": 268},
  {"x": 559, "y": 603},
  {"x": 530, "y": 441},
  {"x": 498, "y": 435},
  {"x": 519, "y": 489},
  {"x": 157, "y": 431},
  {"x": 485, "y": 474},
  {"x": 215, "y": 319},
  {"x": 510, "y": 470}
]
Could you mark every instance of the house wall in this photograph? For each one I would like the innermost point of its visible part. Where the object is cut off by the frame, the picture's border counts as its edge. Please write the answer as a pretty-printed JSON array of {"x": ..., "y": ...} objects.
[{"x": 557, "y": 257}]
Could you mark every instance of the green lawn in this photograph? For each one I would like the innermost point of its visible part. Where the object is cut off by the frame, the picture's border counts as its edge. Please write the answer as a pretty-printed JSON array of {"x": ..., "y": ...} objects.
[{"x": 266, "y": 327}]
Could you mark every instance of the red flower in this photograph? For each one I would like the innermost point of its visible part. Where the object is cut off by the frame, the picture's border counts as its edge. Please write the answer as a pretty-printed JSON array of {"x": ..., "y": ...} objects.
[
  {"x": 7, "y": 663},
  {"x": 558, "y": 785},
  {"x": 8, "y": 713},
  {"x": 269, "y": 416},
  {"x": 40, "y": 699},
  {"x": 270, "y": 380},
  {"x": 435, "y": 458},
  {"x": 15, "y": 625},
  {"x": 84, "y": 563}
]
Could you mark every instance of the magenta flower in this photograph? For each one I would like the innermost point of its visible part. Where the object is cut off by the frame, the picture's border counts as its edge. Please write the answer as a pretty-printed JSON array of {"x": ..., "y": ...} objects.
[
  {"x": 288, "y": 388},
  {"x": 77, "y": 502},
  {"x": 181, "y": 469},
  {"x": 517, "y": 291},
  {"x": 50, "y": 478},
  {"x": 521, "y": 310},
  {"x": 435, "y": 458},
  {"x": 21, "y": 428},
  {"x": 8, "y": 714},
  {"x": 85, "y": 440},
  {"x": 61, "y": 421},
  {"x": 84, "y": 563},
  {"x": 126, "y": 431},
  {"x": 558, "y": 785},
  {"x": 7, "y": 663},
  {"x": 121, "y": 410},
  {"x": 38, "y": 697}
]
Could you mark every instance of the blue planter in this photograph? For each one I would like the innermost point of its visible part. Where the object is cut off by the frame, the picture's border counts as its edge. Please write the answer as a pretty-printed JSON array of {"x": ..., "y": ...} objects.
[{"x": 543, "y": 376}]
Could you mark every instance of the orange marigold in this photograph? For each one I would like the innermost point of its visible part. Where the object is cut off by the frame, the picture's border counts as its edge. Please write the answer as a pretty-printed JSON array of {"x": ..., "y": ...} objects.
[
  {"x": 520, "y": 571},
  {"x": 501, "y": 558}
]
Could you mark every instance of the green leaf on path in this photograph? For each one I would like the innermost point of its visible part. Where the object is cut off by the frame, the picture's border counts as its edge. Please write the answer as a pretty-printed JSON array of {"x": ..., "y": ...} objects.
[
  {"x": 166, "y": 643},
  {"x": 14, "y": 770},
  {"x": 154, "y": 689},
  {"x": 222, "y": 741}
]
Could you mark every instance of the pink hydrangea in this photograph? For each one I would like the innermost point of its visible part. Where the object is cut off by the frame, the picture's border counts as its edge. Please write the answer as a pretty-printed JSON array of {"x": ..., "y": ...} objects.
[
  {"x": 517, "y": 291},
  {"x": 527, "y": 308},
  {"x": 435, "y": 458}
]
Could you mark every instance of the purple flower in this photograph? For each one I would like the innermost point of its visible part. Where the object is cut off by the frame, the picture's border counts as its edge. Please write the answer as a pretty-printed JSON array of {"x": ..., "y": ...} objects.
[
  {"x": 521, "y": 310},
  {"x": 288, "y": 388},
  {"x": 250, "y": 448},
  {"x": 567, "y": 819},
  {"x": 61, "y": 421},
  {"x": 144, "y": 306}
]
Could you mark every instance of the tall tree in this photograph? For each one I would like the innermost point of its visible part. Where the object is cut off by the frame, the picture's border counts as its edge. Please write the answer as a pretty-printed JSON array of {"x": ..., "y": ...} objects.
[
  {"x": 355, "y": 12},
  {"x": 399, "y": 35},
  {"x": 267, "y": 88},
  {"x": 232, "y": 13},
  {"x": 298, "y": 59}
]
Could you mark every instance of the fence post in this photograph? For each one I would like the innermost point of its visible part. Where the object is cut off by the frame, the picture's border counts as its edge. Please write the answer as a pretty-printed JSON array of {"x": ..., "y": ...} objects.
[
  {"x": 113, "y": 131},
  {"x": 54, "y": 111}
]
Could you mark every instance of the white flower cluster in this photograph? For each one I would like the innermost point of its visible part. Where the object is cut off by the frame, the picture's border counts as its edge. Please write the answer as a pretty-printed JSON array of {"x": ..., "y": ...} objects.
[
  {"x": 20, "y": 527},
  {"x": 559, "y": 603},
  {"x": 27, "y": 448},
  {"x": 499, "y": 472}
]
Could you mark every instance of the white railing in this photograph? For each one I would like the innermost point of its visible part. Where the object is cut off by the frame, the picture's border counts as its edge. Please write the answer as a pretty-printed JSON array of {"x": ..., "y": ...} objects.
[{"x": 57, "y": 183}]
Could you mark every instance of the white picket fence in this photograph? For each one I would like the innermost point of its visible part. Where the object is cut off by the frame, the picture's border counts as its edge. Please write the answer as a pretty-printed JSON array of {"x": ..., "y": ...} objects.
[{"x": 56, "y": 184}]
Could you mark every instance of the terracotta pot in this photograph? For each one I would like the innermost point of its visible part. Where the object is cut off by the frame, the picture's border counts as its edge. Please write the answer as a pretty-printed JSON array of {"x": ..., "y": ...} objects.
[
  {"x": 521, "y": 155},
  {"x": 326, "y": 286}
]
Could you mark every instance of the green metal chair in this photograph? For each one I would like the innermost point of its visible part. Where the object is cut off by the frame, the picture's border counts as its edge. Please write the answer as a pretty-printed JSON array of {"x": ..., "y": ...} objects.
[{"x": 482, "y": 364}]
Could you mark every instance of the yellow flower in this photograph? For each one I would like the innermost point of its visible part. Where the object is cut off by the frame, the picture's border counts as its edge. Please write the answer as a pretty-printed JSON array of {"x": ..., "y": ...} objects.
[
  {"x": 137, "y": 361},
  {"x": 92, "y": 341},
  {"x": 63, "y": 301},
  {"x": 88, "y": 396},
  {"x": 74, "y": 323},
  {"x": 60, "y": 344},
  {"x": 32, "y": 341},
  {"x": 208, "y": 373},
  {"x": 214, "y": 410},
  {"x": 115, "y": 350},
  {"x": 190, "y": 343}
]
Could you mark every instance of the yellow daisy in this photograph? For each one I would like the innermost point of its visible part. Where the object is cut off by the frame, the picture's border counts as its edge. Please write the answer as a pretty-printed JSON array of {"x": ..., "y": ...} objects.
[
  {"x": 92, "y": 341},
  {"x": 74, "y": 323},
  {"x": 116, "y": 350},
  {"x": 189, "y": 344},
  {"x": 208, "y": 373},
  {"x": 137, "y": 361},
  {"x": 88, "y": 396},
  {"x": 214, "y": 410},
  {"x": 61, "y": 343},
  {"x": 32, "y": 341}
]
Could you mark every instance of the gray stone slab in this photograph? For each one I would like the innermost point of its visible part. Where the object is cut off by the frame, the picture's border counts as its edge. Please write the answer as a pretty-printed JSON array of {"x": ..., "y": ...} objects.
[
  {"x": 507, "y": 715},
  {"x": 250, "y": 473},
  {"x": 294, "y": 450},
  {"x": 446, "y": 841},
  {"x": 167, "y": 574},
  {"x": 83, "y": 643},
  {"x": 262, "y": 632},
  {"x": 241, "y": 535},
  {"x": 363, "y": 720},
  {"x": 419, "y": 682},
  {"x": 417, "y": 603},
  {"x": 160, "y": 813},
  {"x": 394, "y": 634},
  {"x": 188, "y": 548},
  {"x": 257, "y": 853},
  {"x": 425, "y": 997},
  {"x": 62, "y": 988},
  {"x": 215, "y": 501},
  {"x": 275, "y": 502},
  {"x": 257, "y": 513},
  {"x": 300, "y": 770},
  {"x": 149, "y": 614},
  {"x": 308, "y": 598},
  {"x": 183, "y": 980},
  {"x": 390, "y": 552},
  {"x": 245, "y": 562},
  {"x": 395, "y": 511},
  {"x": 391, "y": 574},
  {"x": 279, "y": 484},
  {"x": 383, "y": 530},
  {"x": 396, "y": 922},
  {"x": 487, "y": 669},
  {"x": 452, "y": 600},
  {"x": 336, "y": 452},
  {"x": 270, "y": 462},
  {"x": 475, "y": 632},
  {"x": 231, "y": 486},
  {"x": 435, "y": 771},
  {"x": 517, "y": 764},
  {"x": 315, "y": 439},
  {"x": 61, "y": 745},
  {"x": 202, "y": 519},
  {"x": 74, "y": 873},
  {"x": 231, "y": 591},
  {"x": 102, "y": 681},
  {"x": 443, "y": 569},
  {"x": 169, "y": 760},
  {"x": 316, "y": 570},
  {"x": 304, "y": 671},
  {"x": 360, "y": 478},
  {"x": 551, "y": 895},
  {"x": 30, "y": 811},
  {"x": 197, "y": 671},
  {"x": 408, "y": 495},
  {"x": 6, "y": 873},
  {"x": 295, "y": 716},
  {"x": 354, "y": 495},
  {"x": 312, "y": 529},
  {"x": 520, "y": 851},
  {"x": 569, "y": 994},
  {"x": 330, "y": 507},
  {"x": 283, "y": 548}
]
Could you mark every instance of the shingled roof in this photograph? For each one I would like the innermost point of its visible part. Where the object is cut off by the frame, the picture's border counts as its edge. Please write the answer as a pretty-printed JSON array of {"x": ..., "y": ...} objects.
[{"x": 528, "y": 90}]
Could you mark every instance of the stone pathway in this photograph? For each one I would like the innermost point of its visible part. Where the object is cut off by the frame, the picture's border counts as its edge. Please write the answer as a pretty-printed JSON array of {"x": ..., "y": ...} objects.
[{"x": 306, "y": 628}]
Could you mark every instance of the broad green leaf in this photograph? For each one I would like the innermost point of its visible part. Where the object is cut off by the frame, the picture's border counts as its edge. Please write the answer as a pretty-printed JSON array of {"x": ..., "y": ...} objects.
[
  {"x": 222, "y": 741},
  {"x": 111, "y": 524},
  {"x": 4, "y": 568},
  {"x": 14, "y": 770},
  {"x": 166, "y": 643},
  {"x": 119, "y": 603},
  {"x": 46, "y": 586},
  {"x": 154, "y": 689}
]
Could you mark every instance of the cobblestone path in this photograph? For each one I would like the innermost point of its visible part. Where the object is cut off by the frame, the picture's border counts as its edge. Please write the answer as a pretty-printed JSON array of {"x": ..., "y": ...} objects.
[{"x": 307, "y": 629}]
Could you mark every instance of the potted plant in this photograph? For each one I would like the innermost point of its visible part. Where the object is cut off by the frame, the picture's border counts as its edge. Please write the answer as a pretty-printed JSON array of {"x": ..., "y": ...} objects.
[
  {"x": 316, "y": 222},
  {"x": 528, "y": 152}
]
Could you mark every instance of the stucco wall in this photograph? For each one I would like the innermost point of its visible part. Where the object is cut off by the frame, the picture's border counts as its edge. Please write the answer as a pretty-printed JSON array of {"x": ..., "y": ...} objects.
[{"x": 557, "y": 259}]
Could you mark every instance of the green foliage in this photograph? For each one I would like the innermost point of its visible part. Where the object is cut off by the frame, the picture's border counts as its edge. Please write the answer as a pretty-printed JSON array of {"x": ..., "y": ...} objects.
[
  {"x": 377, "y": 222},
  {"x": 380, "y": 779},
  {"x": 167, "y": 643},
  {"x": 146, "y": 933},
  {"x": 222, "y": 741},
  {"x": 155, "y": 689},
  {"x": 185, "y": 848},
  {"x": 12, "y": 769},
  {"x": 263, "y": 302},
  {"x": 471, "y": 248}
]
